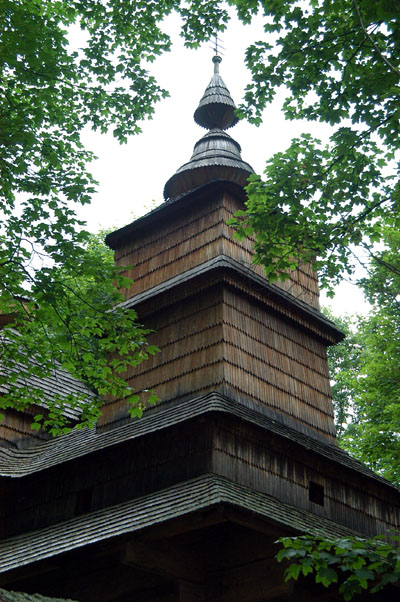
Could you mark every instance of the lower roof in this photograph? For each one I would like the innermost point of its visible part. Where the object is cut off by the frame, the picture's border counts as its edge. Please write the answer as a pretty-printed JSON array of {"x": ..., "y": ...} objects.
[
  {"x": 6, "y": 596},
  {"x": 57, "y": 384},
  {"x": 79, "y": 443},
  {"x": 306, "y": 311},
  {"x": 154, "y": 509}
]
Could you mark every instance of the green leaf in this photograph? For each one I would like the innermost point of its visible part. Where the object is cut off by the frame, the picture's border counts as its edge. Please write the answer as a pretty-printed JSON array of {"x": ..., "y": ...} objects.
[{"x": 326, "y": 576}]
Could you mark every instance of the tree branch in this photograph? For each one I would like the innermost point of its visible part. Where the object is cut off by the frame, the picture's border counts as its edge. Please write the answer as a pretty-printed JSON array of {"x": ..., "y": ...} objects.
[{"x": 383, "y": 57}]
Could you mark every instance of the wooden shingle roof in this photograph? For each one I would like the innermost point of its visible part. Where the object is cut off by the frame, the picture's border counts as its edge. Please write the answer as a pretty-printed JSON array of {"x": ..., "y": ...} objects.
[
  {"x": 216, "y": 108},
  {"x": 20, "y": 462},
  {"x": 6, "y": 596},
  {"x": 215, "y": 155},
  {"x": 185, "y": 498},
  {"x": 60, "y": 383}
]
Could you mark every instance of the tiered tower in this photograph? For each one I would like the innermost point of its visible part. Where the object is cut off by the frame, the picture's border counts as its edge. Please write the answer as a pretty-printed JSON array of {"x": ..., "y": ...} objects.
[
  {"x": 220, "y": 325},
  {"x": 185, "y": 503}
]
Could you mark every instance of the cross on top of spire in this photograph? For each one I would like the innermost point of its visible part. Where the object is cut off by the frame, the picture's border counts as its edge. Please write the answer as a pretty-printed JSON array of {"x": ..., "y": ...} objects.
[
  {"x": 217, "y": 45},
  {"x": 217, "y": 58}
]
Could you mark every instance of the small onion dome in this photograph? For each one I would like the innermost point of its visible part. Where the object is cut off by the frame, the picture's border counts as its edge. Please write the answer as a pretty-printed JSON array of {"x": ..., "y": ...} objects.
[
  {"x": 216, "y": 109},
  {"x": 216, "y": 156}
]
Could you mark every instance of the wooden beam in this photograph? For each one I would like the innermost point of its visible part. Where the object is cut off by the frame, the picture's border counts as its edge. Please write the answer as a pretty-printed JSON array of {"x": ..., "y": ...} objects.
[
  {"x": 260, "y": 524},
  {"x": 167, "y": 558},
  {"x": 185, "y": 524},
  {"x": 257, "y": 581}
]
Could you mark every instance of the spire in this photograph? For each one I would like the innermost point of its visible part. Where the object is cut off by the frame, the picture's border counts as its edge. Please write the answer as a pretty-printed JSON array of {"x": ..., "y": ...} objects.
[{"x": 216, "y": 156}]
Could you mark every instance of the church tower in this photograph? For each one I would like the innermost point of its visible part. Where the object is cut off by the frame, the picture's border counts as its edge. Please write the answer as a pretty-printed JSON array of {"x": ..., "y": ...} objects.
[
  {"x": 185, "y": 504},
  {"x": 223, "y": 328}
]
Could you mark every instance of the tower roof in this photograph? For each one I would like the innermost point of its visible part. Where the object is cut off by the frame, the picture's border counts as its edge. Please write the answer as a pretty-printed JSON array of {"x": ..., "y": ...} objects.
[
  {"x": 216, "y": 109},
  {"x": 216, "y": 155}
]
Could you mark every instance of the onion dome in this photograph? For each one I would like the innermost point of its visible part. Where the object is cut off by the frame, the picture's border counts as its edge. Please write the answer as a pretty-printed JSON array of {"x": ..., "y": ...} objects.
[
  {"x": 216, "y": 109},
  {"x": 216, "y": 156}
]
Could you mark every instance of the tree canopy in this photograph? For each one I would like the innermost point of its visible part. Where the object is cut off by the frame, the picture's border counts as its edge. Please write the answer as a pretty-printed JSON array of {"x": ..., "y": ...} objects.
[
  {"x": 340, "y": 62},
  {"x": 75, "y": 323},
  {"x": 49, "y": 93},
  {"x": 365, "y": 368}
]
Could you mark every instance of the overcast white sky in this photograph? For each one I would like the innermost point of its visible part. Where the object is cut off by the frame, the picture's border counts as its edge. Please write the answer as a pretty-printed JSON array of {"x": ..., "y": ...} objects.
[{"x": 131, "y": 177}]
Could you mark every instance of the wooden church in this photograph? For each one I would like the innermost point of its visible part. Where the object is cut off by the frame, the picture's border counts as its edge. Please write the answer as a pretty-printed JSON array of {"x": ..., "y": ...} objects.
[{"x": 185, "y": 504}]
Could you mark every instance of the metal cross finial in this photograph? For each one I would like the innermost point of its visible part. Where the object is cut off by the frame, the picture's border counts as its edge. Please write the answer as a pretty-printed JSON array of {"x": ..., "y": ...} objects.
[
  {"x": 216, "y": 43},
  {"x": 217, "y": 47}
]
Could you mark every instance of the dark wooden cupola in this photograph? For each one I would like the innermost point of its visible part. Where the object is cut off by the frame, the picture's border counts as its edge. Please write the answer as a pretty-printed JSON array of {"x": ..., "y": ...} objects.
[{"x": 185, "y": 504}]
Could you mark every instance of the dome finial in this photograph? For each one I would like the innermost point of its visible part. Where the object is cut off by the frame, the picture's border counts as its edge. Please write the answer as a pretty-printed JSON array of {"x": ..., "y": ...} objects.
[
  {"x": 216, "y": 60},
  {"x": 216, "y": 108},
  {"x": 216, "y": 156}
]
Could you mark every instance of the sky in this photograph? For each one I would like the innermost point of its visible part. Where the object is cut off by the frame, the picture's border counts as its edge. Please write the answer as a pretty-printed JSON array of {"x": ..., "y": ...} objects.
[{"x": 131, "y": 177}]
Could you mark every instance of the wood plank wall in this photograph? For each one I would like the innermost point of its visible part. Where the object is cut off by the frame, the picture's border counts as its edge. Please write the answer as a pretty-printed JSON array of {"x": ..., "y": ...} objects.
[
  {"x": 222, "y": 445},
  {"x": 277, "y": 364},
  {"x": 15, "y": 429},
  {"x": 219, "y": 338},
  {"x": 225, "y": 341},
  {"x": 267, "y": 466},
  {"x": 106, "y": 478},
  {"x": 302, "y": 283},
  {"x": 192, "y": 237},
  {"x": 190, "y": 337}
]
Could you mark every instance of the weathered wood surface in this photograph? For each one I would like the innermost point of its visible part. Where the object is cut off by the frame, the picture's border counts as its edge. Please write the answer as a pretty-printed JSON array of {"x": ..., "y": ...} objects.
[
  {"x": 244, "y": 453},
  {"x": 226, "y": 339},
  {"x": 223, "y": 338},
  {"x": 223, "y": 562},
  {"x": 195, "y": 235},
  {"x": 15, "y": 429}
]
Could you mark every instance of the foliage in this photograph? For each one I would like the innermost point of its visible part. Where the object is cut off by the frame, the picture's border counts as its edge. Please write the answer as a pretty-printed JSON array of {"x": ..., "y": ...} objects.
[
  {"x": 353, "y": 563},
  {"x": 75, "y": 322},
  {"x": 366, "y": 369},
  {"x": 49, "y": 93},
  {"x": 340, "y": 61},
  {"x": 344, "y": 367}
]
